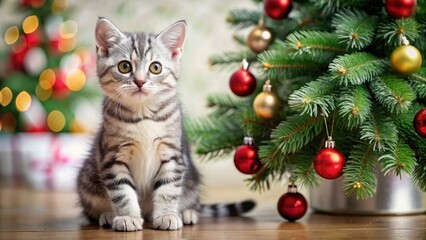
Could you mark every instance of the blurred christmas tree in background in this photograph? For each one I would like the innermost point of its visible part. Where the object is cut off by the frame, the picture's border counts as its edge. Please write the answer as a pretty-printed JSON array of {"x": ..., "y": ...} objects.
[
  {"x": 332, "y": 90},
  {"x": 44, "y": 72}
]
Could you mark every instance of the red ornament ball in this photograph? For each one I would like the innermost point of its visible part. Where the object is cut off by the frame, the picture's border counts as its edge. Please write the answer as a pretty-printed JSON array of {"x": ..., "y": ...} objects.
[
  {"x": 33, "y": 39},
  {"x": 246, "y": 159},
  {"x": 242, "y": 83},
  {"x": 419, "y": 123},
  {"x": 401, "y": 8},
  {"x": 292, "y": 206},
  {"x": 329, "y": 163},
  {"x": 277, "y": 9}
]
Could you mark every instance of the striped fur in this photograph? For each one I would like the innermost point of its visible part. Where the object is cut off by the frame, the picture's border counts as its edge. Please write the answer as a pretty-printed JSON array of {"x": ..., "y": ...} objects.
[{"x": 140, "y": 166}]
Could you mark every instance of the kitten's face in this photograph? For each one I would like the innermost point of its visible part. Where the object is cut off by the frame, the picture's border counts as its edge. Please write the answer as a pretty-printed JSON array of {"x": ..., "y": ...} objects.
[{"x": 135, "y": 68}]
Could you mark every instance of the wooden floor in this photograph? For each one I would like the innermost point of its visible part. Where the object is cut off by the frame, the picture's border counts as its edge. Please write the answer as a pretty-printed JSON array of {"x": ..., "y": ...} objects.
[{"x": 29, "y": 214}]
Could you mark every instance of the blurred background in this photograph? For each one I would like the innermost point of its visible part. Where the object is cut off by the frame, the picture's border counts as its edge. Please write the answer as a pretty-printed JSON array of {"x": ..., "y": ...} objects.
[{"x": 50, "y": 100}]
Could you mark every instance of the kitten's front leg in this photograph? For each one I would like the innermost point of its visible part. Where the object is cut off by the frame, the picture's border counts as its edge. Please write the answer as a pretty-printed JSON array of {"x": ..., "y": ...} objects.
[
  {"x": 122, "y": 191},
  {"x": 167, "y": 191}
]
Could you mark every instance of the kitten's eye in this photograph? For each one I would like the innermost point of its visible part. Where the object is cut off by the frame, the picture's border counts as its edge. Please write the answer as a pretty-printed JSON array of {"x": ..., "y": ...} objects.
[
  {"x": 155, "y": 68},
  {"x": 124, "y": 67}
]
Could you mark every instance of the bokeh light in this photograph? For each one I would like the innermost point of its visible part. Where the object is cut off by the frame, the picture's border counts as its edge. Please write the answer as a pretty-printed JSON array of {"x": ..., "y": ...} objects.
[
  {"x": 75, "y": 80},
  {"x": 11, "y": 35},
  {"x": 77, "y": 127},
  {"x": 30, "y": 24},
  {"x": 66, "y": 44},
  {"x": 23, "y": 101},
  {"x": 68, "y": 29},
  {"x": 6, "y": 96},
  {"x": 43, "y": 94},
  {"x": 59, "y": 6},
  {"x": 47, "y": 79},
  {"x": 56, "y": 121}
]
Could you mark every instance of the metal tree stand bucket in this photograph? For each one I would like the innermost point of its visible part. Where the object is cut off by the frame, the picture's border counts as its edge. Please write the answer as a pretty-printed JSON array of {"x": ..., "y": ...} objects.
[{"x": 394, "y": 196}]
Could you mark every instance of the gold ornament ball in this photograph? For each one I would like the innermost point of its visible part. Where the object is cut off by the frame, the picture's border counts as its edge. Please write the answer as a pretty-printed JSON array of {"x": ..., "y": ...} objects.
[
  {"x": 406, "y": 59},
  {"x": 259, "y": 39},
  {"x": 266, "y": 105}
]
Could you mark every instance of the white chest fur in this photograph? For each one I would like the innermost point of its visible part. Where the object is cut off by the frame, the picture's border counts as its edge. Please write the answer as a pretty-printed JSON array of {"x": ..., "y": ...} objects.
[{"x": 146, "y": 162}]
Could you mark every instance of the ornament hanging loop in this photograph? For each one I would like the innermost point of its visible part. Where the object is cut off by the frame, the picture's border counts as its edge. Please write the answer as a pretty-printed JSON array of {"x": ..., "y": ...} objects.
[
  {"x": 245, "y": 64},
  {"x": 248, "y": 141},
  {"x": 267, "y": 87},
  {"x": 403, "y": 40},
  {"x": 330, "y": 143}
]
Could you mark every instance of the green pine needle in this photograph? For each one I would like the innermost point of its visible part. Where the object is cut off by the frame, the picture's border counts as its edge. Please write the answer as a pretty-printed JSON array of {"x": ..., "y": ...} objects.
[
  {"x": 391, "y": 31},
  {"x": 393, "y": 93},
  {"x": 302, "y": 169},
  {"x": 243, "y": 18},
  {"x": 354, "y": 28},
  {"x": 315, "y": 97},
  {"x": 215, "y": 138},
  {"x": 281, "y": 64},
  {"x": 379, "y": 130},
  {"x": 331, "y": 6},
  {"x": 357, "y": 68},
  {"x": 399, "y": 158},
  {"x": 296, "y": 132},
  {"x": 417, "y": 82},
  {"x": 320, "y": 46},
  {"x": 223, "y": 104},
  {"x": 355, "y": 105},
  {"x": 359, "y": 171},
  {"x": 231, "y": 58}
]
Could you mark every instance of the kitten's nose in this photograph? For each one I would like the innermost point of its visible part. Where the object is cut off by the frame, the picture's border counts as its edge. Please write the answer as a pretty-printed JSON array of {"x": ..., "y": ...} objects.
[{"x": 139, "y": 83}]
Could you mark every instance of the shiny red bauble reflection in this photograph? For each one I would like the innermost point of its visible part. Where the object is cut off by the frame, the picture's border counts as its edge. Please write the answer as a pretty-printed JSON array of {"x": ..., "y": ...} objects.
[
  {"x": 246, "y": 159},
  {"x": 419, "y": 123},
  {"x": 401, "y": 8},
  {"x": 329, "y": 163},
  {"x": 277, "y": 9},
  {"x": 292, "y": 206},
  {"x": 242, "y": 83}
]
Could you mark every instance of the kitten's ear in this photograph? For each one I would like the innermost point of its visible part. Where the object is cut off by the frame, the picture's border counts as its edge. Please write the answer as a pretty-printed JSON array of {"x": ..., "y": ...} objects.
[
  {"x": 173, "y": 38},
  {"x": 106, "y": 36}
]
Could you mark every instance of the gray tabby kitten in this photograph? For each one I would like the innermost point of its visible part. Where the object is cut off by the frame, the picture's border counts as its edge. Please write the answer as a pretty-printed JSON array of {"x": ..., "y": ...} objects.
[{"x": 139, "y": 165}]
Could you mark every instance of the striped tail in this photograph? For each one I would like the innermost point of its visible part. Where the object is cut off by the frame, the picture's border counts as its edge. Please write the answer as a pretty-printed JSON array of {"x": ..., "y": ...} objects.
[{"x": 228, "y": 209}]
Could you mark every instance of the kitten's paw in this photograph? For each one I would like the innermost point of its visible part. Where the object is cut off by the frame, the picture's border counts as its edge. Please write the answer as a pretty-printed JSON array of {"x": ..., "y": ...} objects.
[
  {"x": 106, "y": 218},
  {"x": 189, "y": 216},
  {"x": 168, "y": 222},
  {"x": 127, "y": 223}
]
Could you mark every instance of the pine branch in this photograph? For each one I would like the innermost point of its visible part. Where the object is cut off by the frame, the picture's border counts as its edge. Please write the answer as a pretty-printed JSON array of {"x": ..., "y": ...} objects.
[
  {"x": 260, "y": 181},
  {"x": 417, "y": 82},
  {"x": 271, "y": 157},
  {"x": 359, "y": 171},
  {"x": 314, "y": 98},
  {"x": 357, "y": 68},
  {"x": 391, "y": 31},
  {"x": 320, "y": 46},
  {"x": 354, "y": 28},
  {"x": 399, "y": 158},
  {"x": 332, "y": 6},
  {"x": 224, "y": 105},
  {"x": 419, "y": 174},
  {"x": 393, "y": 93},
  {"x": 281, "y": 64},
  {"x": 296, "y": 132},
  {"x": 255, "y": 126},
  {"x": 355, "y": 105},
  {"x": 379, "y": 130},
  {"x": 215, "y": 138},
  {"x": 228, "y": 58},
  {"x": 302, "y": 168},
  {"x": 243, "y": 18},
  {"x": 407, "y": 134}
]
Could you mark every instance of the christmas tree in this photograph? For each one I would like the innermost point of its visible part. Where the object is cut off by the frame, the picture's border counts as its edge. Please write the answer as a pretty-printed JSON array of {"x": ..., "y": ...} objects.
[
  {"x": 332, "y": 90},
  {"x": 44, "y": 75}
]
